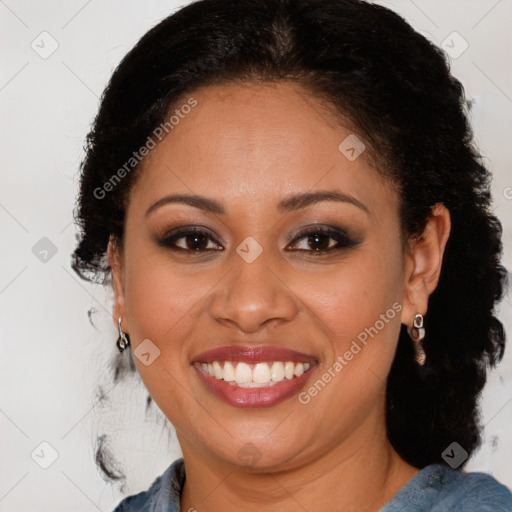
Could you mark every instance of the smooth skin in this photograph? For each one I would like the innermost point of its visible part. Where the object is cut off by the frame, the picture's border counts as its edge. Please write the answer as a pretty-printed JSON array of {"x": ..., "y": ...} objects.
[{"x": 249, "y": 147}]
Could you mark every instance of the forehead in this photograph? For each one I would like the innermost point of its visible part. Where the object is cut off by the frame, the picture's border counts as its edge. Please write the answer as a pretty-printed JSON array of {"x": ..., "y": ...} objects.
[{"x": 261, "y": 140}]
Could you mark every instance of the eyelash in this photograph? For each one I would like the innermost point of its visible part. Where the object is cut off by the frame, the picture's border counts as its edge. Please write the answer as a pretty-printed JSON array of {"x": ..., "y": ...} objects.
[{"x": 343, "y": 241}]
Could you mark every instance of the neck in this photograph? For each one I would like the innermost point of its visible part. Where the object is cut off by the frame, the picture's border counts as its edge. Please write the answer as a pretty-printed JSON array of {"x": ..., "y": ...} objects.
[{"x": 361, "y": 474}]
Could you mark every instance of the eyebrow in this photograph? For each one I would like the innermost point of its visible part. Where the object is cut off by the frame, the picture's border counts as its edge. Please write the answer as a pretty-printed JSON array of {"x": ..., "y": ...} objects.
[{"x": 288, "y": 204}]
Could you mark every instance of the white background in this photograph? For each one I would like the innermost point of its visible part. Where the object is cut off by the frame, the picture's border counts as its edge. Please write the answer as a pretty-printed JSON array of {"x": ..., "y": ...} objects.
[{"x": 53, "y": 358}]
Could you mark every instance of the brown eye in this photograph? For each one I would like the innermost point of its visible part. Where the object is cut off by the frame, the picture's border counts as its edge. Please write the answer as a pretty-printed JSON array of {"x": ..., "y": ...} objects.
[
  {"x": 322, "y": 240},
  {"x": 191, "y": 239}
]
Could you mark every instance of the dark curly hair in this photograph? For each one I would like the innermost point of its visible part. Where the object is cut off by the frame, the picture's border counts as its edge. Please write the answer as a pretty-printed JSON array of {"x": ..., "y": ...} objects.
[{"x": 395, "y": 87}]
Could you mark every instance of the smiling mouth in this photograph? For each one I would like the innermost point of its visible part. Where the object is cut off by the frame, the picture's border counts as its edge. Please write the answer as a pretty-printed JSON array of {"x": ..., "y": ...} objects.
[
  {"x": 258, "y": 375},
  {"x": 254, "y": 376}
]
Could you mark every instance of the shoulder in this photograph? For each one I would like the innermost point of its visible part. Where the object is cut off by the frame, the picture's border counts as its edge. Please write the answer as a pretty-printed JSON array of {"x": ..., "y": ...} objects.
[
  {"x": 473, "y": 491},
  {"x": 437, "y": 488},
  {"x": 163, "y": 495}
]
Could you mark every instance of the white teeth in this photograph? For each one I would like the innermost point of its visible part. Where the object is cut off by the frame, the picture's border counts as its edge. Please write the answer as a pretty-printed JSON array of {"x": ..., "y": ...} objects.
[
  {"x": 277, "y": 371},
  {"x": 255, "y": 375},
  {"x": 229, "y": 372},
  {"x": 243, "y": 373},
  {"x": 261, "y": 373},
  {"x": 217, "y": 370},
  {"x": 289, "y": 368}
]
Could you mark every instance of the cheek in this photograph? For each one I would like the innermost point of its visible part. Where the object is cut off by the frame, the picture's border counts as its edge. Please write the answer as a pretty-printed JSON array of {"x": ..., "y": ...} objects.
[
  {"x": 163, "y": 306},
  {"x": 356, "y": 295},
  {"x": 160, "y": 298},
  {"x": 357, "y": 308}
]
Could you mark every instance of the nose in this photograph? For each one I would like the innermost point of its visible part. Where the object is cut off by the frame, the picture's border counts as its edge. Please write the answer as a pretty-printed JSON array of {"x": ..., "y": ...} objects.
[{"x": 254, "y": 295}]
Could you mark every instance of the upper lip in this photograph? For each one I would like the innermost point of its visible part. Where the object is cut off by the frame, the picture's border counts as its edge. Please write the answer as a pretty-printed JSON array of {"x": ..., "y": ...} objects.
[{"x": 252, "y": 354}]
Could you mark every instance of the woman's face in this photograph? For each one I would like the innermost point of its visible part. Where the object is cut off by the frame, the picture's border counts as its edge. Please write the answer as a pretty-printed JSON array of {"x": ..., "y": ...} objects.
[{"x": 268, "y": 185}]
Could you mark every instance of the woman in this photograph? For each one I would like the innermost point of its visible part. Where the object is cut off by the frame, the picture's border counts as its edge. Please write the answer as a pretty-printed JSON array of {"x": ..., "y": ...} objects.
[{"x": 297, "y": 227}]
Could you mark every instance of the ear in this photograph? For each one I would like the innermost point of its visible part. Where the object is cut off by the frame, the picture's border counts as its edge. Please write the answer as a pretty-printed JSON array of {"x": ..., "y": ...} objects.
[
  {"x": 423, "y": 261},
  {"x": 116, "y": 266}
]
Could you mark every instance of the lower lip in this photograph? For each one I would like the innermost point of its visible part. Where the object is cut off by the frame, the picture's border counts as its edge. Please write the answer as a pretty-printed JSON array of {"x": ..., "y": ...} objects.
[{"x": 254, "y": 397}]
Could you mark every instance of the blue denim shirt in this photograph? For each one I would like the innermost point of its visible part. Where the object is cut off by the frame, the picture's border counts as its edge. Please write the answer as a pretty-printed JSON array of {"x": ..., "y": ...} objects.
[{"x": 435, "y": 488}]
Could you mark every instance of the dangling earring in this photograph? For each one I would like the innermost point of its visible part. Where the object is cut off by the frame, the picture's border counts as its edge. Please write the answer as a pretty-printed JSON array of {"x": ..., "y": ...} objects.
[
  {"x": 124, "y": 340},
  {"x": 417, "y": 333}
]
